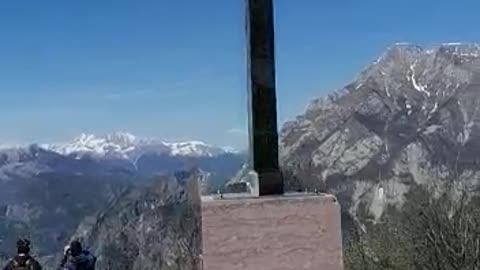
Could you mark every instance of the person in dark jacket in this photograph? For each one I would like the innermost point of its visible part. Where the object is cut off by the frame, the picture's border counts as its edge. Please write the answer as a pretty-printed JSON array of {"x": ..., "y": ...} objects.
[
  {"x": 76, "y": 258},
  {"x": 23, "y": 260}
]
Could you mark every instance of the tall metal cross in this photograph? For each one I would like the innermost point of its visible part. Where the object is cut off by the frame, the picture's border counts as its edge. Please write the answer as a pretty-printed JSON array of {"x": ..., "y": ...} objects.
[{"x": 263, "y": 130}]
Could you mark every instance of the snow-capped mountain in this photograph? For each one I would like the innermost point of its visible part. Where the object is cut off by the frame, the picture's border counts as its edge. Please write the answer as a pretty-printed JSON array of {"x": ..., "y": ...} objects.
[
  {"x": 120, "y": 154},
  {"x": 126, "y": 145}
]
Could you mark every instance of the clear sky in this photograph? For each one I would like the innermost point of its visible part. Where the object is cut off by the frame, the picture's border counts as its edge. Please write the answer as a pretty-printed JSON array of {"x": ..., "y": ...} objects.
[{"x": 175, "y": 69}]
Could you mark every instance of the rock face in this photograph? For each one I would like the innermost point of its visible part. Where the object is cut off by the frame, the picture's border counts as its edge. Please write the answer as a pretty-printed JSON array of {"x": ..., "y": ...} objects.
[
  {"x": 152, "y": 228},
  {"x": 413, "y": 116},
  {"x": 47, "y": 208}
]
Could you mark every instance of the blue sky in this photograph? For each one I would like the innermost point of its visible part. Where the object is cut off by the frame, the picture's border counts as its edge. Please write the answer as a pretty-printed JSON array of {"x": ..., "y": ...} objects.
[{"x": 175, "y": 69}]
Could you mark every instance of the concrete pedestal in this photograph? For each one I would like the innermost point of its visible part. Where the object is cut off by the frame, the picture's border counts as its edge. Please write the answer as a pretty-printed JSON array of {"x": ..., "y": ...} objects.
[{"x": 290, "y": 232}]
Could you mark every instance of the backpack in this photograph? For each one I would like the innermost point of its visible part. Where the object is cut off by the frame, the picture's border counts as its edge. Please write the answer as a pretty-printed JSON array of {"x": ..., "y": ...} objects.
[
  {"x": 26, "y": 265},
  {"x": 86, "y": 265}
]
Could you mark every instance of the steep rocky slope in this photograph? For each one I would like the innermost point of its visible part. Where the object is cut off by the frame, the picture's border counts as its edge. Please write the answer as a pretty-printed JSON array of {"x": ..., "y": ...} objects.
[
  {"x": 47, "y": 208},
  {"x": 151, "y": 228},
  {"x": 411, "y": 117}
]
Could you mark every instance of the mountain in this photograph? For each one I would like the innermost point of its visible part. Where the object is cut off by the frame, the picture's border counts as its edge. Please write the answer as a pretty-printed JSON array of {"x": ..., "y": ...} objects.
[
  {"x": 48, "y": 207},
  {"x": 126, "y": 145},
  {"x": 119, "y": 154},
  {"x": 151, "y": 228},
  {"x": 47, "y": 191},
  {"x": 410, "y": 118},
  {"x": 126, "y": 153},
  {"x": 24, "y": 162}
]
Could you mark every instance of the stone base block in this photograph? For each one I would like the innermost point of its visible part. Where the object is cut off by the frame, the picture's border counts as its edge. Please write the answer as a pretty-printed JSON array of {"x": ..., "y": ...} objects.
[{"x": 290, "y": 232}]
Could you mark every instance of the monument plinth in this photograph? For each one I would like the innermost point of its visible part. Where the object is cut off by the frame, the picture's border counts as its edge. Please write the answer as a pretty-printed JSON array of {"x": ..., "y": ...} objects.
[{"x": 289, "y": 232}]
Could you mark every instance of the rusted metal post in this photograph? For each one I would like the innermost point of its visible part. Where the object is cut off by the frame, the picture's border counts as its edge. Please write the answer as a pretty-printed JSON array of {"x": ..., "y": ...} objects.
[{"x": 263, "y": 129}]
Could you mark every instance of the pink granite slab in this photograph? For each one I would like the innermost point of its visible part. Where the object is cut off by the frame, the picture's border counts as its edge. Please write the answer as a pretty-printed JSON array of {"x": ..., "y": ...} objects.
[{"x": 272, "y": 233}]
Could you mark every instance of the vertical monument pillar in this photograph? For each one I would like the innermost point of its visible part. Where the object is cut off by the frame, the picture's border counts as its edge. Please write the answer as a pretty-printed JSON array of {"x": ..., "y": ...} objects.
[
  {"x": 270, "y": 230},
  {"x": 263, "y": 130}
]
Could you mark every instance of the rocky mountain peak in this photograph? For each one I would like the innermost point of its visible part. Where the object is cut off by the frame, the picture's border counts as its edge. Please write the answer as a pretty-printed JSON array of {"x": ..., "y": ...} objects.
[
  {"x": 461, "y": 49},
  {"x": 122, "y": 138},
  {"x": 402, "y": 51},
  {"x": 397, "y": 124}
]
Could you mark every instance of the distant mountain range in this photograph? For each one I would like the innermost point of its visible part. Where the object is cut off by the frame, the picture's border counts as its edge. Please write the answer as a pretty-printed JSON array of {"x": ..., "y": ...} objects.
[
  {"x": 126, "y": 145},
  {"x": 117, "y": 153},
  {"x": 47, "y": 190}
]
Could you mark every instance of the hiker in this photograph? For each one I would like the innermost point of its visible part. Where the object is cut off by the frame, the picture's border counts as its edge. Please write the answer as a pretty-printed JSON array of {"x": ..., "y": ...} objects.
[
  {"x": 23, "y": 260},
  {"x": 76, "y": 258}
]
